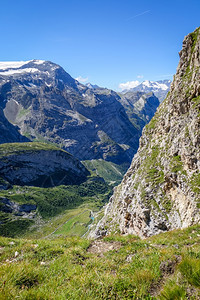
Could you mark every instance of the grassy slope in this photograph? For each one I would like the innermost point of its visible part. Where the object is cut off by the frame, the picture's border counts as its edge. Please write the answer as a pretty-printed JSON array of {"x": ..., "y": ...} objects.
[
  {"x": 165, "y": 266},
  {"x": 112, "y": 173},
  {"x": 16, "y": 148}
]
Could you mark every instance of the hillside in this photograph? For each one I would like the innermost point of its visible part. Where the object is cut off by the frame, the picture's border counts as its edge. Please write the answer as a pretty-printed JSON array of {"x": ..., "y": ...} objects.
[
  {"x": 160, "y": 191},
  {"x": 140, "y": 107}
]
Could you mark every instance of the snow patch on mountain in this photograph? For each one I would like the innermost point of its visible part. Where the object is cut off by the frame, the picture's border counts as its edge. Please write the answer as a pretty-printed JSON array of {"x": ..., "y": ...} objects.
[
  {"x": 18, "y": 71},
  {"x": 4, "y": 65}
]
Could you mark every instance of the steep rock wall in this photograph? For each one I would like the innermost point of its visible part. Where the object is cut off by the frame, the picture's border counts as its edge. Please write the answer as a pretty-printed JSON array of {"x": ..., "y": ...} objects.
[{"x": 161, "y": 189}]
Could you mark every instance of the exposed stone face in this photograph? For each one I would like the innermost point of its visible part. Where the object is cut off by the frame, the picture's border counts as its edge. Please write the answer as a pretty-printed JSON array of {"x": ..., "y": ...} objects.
[
  {"x": 47, "y": 103},
  {"x": 42, "y": 168},
  {"x": 161, "y": 189}
]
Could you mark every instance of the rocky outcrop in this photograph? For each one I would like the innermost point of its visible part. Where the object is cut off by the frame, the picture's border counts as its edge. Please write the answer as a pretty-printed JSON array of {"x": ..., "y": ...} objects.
[
  {"x": 46, "y": 103},
  {"x": 38, "y": 164},
  {"x": 161, "y": 189}
]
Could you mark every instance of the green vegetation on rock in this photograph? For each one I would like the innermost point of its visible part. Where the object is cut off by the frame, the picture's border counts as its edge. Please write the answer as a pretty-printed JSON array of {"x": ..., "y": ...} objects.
[{"x": 110, "y": 172}]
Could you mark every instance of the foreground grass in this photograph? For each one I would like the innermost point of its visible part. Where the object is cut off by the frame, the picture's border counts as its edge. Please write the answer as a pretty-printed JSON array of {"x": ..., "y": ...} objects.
[{"x": 166, "y": 266}]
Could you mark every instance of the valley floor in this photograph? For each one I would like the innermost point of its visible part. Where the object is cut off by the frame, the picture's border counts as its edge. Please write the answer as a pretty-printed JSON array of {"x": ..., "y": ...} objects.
[{"x": 166, "y": 266}]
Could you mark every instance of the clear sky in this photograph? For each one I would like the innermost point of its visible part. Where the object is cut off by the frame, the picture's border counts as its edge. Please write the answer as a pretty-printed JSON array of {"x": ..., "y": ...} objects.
[{"x": 106, "y": 42}]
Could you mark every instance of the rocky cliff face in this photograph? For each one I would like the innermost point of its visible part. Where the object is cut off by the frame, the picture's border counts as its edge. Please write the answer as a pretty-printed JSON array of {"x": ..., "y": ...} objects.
[
  {"x": 46, "y": 103},
  {"x": 161, "y": 189},
  {"x": 38, "y": 164}
]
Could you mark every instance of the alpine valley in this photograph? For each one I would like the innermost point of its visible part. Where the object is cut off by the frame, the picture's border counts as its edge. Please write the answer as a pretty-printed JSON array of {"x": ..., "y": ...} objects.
[
  {"x": 99, "y": 190},
  {"x": 47, "y": 104},
  {"x": 44, "y": 113}
]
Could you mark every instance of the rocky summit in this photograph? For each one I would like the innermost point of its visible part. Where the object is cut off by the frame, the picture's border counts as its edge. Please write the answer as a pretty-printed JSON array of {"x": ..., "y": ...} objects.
[
  {"x": 160, "y": 191},
  {"x": 47, "y": 104}
]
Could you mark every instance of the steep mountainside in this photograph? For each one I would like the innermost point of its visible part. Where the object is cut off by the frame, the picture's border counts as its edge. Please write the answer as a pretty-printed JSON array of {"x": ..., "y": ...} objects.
[
  {"x": 161, "y": 189},
  {"x": 46, "y": 103},
  {"x": 39, "y": 164},
  {"x": 159, "y": 88}
]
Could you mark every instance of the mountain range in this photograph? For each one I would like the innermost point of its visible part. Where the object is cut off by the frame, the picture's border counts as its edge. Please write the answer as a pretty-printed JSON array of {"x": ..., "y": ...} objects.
[
  {"x": 47, "y": 104},
  {"x": 49, "y": 201}
]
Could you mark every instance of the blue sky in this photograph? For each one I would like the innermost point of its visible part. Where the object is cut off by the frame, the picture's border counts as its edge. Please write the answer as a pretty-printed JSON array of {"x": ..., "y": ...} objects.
[{"x": 104, "y": 41}]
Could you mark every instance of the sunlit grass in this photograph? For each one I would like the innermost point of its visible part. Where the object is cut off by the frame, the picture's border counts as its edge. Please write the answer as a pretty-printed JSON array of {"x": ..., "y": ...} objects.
[{"x": 62, "y": 268}]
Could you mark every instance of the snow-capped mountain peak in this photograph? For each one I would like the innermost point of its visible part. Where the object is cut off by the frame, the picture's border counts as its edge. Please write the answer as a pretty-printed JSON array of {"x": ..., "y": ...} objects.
[{"x": 159, "y": 88}]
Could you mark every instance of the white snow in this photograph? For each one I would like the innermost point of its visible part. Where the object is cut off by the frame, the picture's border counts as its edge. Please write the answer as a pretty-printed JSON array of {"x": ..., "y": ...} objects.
[
  {"x": 38, "y": 62},
  {"x": 155, "y": 85},
  {"x": 162, "y": 86},
  {"x": 18, "y": 64},
  {"x": 16, "y": 71},
  {"x": 147, "y": 83},
  {"x": 12, "y": 64}
]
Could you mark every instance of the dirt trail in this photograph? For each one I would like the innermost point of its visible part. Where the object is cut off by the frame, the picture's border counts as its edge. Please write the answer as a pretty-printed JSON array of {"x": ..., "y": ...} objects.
[{"x": 100, "y": 247}]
